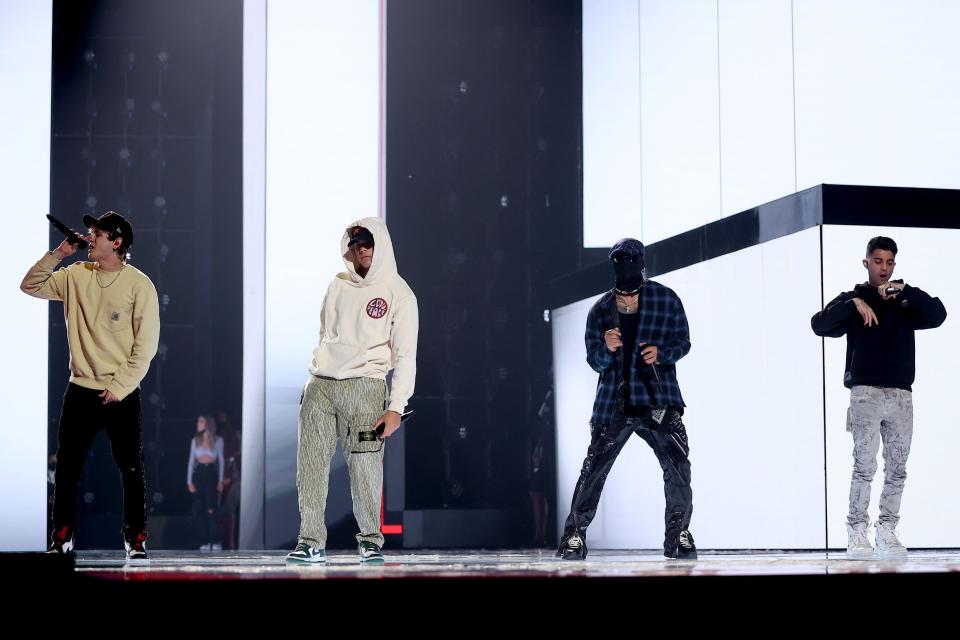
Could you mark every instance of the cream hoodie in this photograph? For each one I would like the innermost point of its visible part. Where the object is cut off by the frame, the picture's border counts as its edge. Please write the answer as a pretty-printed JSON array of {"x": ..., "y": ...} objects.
[{"x": 369, "y": 325}]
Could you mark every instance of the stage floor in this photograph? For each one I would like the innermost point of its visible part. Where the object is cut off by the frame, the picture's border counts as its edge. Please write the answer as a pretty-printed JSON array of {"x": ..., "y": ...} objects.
[
  {"x": 482, "y": 590},
  {"x": 270, "y": 565}
]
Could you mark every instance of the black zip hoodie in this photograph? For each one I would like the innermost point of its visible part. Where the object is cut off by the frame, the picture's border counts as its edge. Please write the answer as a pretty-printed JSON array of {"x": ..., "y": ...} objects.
[{"x": 882, "y": 355}]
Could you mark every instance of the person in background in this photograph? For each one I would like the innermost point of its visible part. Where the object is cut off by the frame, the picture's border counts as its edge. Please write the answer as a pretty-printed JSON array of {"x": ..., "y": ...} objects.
[{"x": 205, "y": 481}]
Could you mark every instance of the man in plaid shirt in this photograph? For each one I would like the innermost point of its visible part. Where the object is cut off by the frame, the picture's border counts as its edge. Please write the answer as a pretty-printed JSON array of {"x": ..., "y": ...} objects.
[{"x": 636, "y": 333}]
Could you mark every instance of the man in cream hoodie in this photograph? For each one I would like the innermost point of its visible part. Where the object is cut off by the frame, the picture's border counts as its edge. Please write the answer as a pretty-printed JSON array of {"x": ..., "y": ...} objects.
[
  {"x": 113, "y": 328},
  {"x": 368, "y": 327}
]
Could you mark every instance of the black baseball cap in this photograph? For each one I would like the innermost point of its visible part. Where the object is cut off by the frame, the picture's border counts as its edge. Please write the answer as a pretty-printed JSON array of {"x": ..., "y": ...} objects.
[
  {"x": 629, "y": 249},
  {"x": 111, "y": 222},
  {"x": 359, "y": 234}
]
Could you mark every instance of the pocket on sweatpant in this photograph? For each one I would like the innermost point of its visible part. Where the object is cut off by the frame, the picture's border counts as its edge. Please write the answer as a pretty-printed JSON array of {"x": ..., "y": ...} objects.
[{"x": 362, "y": 439}]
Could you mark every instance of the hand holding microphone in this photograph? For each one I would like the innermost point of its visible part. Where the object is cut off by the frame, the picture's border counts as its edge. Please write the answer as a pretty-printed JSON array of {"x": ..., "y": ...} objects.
[
  {"x": 890, "y": 289},
  {"x": 650, "y": 354},
  {"x": 73, "y": 238}
]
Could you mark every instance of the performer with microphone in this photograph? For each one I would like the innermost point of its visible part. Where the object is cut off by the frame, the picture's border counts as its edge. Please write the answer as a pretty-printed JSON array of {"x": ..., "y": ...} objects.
[
  {"x": 879, "y": 318},
  {"x": 636, "y": 333},
  {"x": 113, "y": 328},
  {"x": 369, "y": 323}
]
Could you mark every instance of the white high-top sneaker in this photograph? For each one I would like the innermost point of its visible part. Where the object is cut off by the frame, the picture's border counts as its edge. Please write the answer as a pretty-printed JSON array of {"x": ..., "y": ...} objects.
[
  {"x": 858, "y": 543},
  {"x": 889, "y": 546}
]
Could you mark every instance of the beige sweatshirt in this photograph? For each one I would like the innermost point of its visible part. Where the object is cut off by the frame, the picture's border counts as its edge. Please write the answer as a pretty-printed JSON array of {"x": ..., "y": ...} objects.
[
  {"x": 369, "y": 325},
  {"x": 113, "y": 320}
]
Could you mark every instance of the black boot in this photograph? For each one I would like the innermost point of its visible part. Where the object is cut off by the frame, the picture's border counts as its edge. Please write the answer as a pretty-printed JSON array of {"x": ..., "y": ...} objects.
[
  {"x": 573, "y": 547},
  {"x": 671, "y": 537},
  {"x": 686, "y": 550}
]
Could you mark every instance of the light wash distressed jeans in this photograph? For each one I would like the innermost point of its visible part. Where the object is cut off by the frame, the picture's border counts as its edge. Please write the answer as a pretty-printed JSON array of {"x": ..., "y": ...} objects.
[{"x": 875, "y": 414}]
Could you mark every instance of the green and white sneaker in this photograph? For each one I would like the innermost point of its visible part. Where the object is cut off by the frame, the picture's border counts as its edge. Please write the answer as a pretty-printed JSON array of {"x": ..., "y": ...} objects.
[
  {"x": 369, "y": 552},
  {"x": 305, "y": 553}
]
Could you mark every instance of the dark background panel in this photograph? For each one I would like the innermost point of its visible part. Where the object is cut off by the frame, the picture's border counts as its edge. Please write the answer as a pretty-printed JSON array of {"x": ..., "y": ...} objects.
[
  {"x": 483, "y": 202},
  {"x": 147, "y": 121}
]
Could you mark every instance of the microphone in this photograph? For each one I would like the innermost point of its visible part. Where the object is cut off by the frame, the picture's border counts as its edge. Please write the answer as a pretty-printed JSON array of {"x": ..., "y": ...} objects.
[
  {"x": 656, "y": 371},
  {"x": 72, "y": 236},
  {"x": 653, "y": 366}
]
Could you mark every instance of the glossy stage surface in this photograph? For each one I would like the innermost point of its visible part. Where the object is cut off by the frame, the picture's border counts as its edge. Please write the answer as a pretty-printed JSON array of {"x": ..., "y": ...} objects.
[{"x": 344, "y": 564}]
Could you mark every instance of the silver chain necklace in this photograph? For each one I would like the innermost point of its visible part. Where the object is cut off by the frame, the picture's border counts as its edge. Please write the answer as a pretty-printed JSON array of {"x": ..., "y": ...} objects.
[
  {"x": 104, "y": 286},
  {"x": 627, "y": 308}
]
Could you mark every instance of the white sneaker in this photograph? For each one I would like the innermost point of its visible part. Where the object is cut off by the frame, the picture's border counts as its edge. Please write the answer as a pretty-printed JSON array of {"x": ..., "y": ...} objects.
[
  {"x": 858, "y": 543},
  {"x": 889, "y": 546},
  {"x": 216, "y": 546},
  {"x": 305, "y": 553},
  {"x": 205, "y": 547},
  {"x": 369, "y": 552},
  {"x": 136, "y": 549}
]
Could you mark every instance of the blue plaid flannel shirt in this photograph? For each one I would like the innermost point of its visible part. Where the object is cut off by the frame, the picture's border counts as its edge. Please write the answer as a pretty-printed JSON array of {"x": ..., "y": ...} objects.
[{"x": 662, "y": 323}]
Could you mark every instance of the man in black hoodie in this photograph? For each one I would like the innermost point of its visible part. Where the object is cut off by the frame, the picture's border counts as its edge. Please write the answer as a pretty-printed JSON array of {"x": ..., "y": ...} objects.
[{"x": 879, "y": 318}]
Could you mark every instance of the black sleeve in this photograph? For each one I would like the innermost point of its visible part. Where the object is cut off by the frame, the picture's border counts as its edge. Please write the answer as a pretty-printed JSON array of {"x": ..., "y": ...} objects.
[
  {"x": 925, "y": 311},
  {"x": 833, "y": 320}
]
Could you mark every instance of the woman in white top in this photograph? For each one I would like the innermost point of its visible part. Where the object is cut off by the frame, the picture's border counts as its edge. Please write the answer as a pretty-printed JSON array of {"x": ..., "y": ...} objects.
[{"x": 205, "y": 481}]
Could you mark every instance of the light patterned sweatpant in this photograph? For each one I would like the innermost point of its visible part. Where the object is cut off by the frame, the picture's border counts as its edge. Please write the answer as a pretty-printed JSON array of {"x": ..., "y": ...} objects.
[
  {"x": 341, "y": 410},
  {"x": 879, "y": 413}
]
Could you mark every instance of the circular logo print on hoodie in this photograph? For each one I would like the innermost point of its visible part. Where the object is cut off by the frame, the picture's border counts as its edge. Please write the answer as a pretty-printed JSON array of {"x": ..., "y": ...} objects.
[{"x": 377, "y": 308}]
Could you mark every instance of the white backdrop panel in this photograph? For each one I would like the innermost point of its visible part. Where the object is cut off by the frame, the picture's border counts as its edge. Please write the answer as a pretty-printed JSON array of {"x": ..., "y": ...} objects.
[
  {"x": 26, "y": 32},
  {"x": 323, "y": 124},
  {"x": 679, "y": 116},
  {"x": 756, "y": 102},
  {"x": 876, "y": 98},
  {"x": 611, "y": 120}
]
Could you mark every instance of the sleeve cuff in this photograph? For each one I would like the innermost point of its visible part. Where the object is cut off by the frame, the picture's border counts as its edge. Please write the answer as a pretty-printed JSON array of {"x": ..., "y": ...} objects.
[
  {"x": 116, "y": 389},
  {"x": 606, "y": 358},
  {"x": 50, "y": 259}
]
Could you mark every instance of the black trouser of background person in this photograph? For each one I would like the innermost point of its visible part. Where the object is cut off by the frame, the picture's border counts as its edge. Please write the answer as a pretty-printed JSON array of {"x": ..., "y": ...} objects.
[{"x": 206, "y": 502}]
